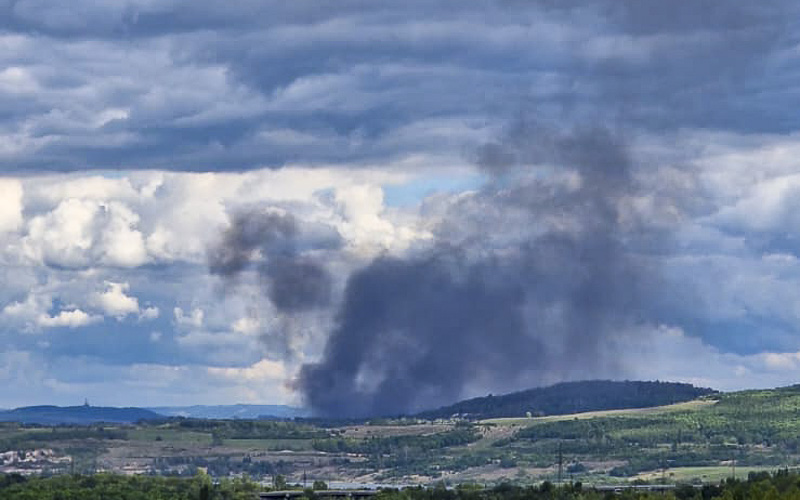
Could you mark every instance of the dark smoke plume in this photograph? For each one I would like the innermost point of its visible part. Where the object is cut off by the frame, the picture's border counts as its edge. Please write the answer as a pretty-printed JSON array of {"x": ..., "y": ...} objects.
[
  {"x": 270, "y": 242},
  {"x": 529, "y": 278}
]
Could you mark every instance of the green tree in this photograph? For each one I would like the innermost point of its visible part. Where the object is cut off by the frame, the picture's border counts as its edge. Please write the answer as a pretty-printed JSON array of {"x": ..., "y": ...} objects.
[{"x": 279, "y": 482}]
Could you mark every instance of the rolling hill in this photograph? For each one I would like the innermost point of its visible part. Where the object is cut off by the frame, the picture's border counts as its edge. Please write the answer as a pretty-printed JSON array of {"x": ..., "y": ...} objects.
[
  {"x": 702, "y": 440},
  {"x": 572, "y": 397},
  {"x": 76, "y": 415}
]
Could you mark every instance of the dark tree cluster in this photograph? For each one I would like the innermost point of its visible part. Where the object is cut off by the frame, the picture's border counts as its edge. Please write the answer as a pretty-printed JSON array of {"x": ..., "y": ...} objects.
[{"x": 573, "y": 397}]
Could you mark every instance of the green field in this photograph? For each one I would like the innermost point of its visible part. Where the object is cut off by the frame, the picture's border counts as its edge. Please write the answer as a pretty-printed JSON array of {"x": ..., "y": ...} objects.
[
  {"x": 525, "y": 421},
  {"x": 167, "y": 435},
  {"x": 270, "y": 444},
  {"x": 713, "y": 474}
]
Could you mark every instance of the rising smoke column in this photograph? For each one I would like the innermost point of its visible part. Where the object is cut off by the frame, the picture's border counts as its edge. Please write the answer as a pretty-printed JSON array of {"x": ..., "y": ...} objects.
[
  {"x": 270, "y": 242},
  {"x": 527, "y": 281}
]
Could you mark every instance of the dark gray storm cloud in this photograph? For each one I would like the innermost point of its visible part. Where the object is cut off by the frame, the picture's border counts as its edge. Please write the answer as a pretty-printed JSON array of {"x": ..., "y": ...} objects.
[
  {"x": 271, "y": 242},
  {"x": 208, "y": 85},
  {"x": 415, "y": 332}
]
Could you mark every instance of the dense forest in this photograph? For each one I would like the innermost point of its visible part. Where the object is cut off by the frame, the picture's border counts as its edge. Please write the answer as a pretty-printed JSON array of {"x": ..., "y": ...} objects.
[
  {"x": 572, "y": 397},
  {"x": 119, "y": 487},
  {"x": 758, "y": 486}
]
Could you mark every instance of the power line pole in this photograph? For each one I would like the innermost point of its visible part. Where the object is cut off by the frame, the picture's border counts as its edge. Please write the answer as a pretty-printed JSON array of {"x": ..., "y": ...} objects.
[{"x": 560, "y": 463}]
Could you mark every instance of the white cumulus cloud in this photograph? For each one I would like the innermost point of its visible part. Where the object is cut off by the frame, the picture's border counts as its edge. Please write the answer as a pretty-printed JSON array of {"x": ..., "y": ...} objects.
[
  {"x": 190, "y": 319},
  {"x": 114, "y": 301},
  {"x": 149, "y": 313},
  {"x": 70, "y": 319},
  {"x": 10, "y": 205},
  {"x": 81, "y": 233},
  {"x": 246, "y": 325}
]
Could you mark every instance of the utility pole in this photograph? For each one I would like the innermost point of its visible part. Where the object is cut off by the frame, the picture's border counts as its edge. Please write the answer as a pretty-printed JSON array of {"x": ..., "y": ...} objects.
[{"x": 560, "y": 463}]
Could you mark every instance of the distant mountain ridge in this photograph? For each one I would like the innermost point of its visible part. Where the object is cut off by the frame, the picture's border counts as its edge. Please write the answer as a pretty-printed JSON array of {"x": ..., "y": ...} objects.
[
  {"x": 78, "y": 415},
  {"x": 558, "y": 399},
  {"x": 232, "y": 411},
  {"x": 86, "y": 415},
  {"x": 572, "y": 397}
]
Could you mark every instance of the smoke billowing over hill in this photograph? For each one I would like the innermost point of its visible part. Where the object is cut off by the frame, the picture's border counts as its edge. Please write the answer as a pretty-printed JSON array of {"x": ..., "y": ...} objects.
[{"x": 535, "y": 306}]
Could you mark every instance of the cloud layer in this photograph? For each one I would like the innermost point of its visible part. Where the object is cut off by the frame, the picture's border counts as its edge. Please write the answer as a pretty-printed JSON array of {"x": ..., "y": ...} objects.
[
  {"x": 328, "y": 154},
  {"x": 207, "y": 85}
]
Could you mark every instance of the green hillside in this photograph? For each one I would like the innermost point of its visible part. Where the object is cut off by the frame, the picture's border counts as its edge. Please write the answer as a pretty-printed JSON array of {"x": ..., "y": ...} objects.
[
  {"x": 753, "y": 428},
  {"x": 572, "y": 397},
  {"x": 76, "y": 415},
  {"x": 765, "y": 418},
  {"x": 704, "y": 440}
]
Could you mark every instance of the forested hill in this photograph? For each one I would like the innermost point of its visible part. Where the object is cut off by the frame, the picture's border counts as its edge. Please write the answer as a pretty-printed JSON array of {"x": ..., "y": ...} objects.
[
  {"x": 572, "y": 397},
  {"x": 76, "y": 415}
]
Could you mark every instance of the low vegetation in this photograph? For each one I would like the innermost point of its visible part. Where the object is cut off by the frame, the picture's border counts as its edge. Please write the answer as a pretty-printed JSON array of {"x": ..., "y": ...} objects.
[
  {"x": 778, "y": 486},
  {"x": 118, "y": 487}
]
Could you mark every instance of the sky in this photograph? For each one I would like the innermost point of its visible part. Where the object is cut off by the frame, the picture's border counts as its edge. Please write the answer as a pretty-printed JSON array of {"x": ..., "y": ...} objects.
[{"x": 394, "y": 203}]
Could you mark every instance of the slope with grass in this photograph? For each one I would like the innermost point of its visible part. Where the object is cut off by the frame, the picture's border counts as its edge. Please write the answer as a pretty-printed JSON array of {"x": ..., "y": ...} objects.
[
  {"x": 757, "y": 429},
  {"x": 572, "y": 397}
]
